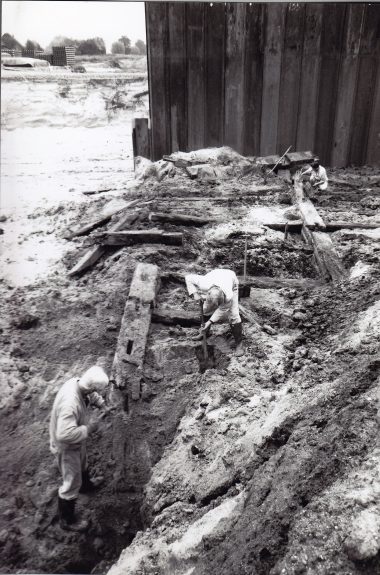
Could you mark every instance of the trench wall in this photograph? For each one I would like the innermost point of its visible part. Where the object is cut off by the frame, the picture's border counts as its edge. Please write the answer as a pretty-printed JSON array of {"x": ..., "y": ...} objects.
[{"x": 261, "y": 77}]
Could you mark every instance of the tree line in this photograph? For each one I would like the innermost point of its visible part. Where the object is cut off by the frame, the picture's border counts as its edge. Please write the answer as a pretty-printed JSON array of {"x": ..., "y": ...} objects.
[{"x": 89, "y": 47}]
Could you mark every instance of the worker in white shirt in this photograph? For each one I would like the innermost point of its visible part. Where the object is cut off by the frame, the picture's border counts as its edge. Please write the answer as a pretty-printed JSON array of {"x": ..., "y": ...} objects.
[
  {"x": 219, "y": 290},
  {"x": 317, "y": 175},
  {"x": 69, "y": 430}
]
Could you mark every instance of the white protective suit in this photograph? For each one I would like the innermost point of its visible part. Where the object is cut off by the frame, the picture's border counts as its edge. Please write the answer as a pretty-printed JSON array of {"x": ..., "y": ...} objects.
[
  {"x": 68, "y": 434},
  {"x": 319, "y": 175},
  {"x": 227, "y": 281}
]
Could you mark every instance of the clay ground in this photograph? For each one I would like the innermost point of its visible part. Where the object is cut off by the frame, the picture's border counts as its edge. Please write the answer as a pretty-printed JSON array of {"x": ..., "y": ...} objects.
[{"x": 265, "y": 464}]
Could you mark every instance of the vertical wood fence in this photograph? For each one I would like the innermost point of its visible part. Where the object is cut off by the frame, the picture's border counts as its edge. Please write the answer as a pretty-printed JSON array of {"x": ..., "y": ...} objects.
[{"x": 261, "y": 77}]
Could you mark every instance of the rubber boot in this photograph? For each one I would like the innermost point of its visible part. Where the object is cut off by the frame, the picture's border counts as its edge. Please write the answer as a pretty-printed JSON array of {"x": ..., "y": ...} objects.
[
  {"x": 67, "y": 519},
  {"x": 237, "y": 332},
  {"x": 90, "y": 484},
  {"x": 199, "y": 336}
]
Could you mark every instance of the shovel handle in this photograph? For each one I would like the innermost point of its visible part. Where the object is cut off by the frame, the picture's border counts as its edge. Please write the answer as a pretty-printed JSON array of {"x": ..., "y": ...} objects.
[{"x": 204, "y": 338}]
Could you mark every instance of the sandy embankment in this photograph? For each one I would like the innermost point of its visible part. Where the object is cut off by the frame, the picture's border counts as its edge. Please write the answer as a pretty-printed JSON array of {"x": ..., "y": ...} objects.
[{"x": 59, "y": 137}]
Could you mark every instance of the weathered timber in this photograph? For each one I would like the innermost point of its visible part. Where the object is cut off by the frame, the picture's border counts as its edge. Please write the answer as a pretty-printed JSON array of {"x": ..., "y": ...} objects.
[
  {"x": 170, "y": 316},
  {"x": 92, "y": 192},
  {"x": 130, "y": 350},
  {"x": 309, "y": 214},
  {"x": 140, "y": 237},
  {"x": 178, "y": 219},
  {"x": 263, "y": 282},
  {"x": 99, "y": 221},
  {"x": 335, "y": 226},
  {"x": 291, "y": 226},
  {"x": 96, "y": 252},
  {"x": 296, "y": 226},
  {"x": 328, "y": 261}
]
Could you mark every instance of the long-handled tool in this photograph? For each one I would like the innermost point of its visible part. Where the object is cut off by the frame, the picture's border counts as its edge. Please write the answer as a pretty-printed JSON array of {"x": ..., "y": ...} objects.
[
  {"x": 204, "y": 337},
  {"x": 206, "y": 361},
  {"x": 283, "y": 156}
]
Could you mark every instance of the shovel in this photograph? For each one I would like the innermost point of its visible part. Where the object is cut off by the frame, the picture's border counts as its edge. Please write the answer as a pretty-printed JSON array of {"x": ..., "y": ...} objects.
[{"x": 206, "y": 362}]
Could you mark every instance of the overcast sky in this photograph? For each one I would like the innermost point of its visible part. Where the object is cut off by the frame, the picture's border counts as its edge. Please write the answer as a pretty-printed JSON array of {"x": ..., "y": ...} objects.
[{"x": 42, "y": 21}]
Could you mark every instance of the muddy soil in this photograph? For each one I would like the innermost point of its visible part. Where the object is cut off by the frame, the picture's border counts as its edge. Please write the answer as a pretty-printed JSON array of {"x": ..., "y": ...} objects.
[{"x": 265, "y": 464}]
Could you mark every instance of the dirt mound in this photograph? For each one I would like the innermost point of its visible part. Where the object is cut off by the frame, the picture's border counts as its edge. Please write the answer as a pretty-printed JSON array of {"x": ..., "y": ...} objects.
[{"x": 264, "y": 464}]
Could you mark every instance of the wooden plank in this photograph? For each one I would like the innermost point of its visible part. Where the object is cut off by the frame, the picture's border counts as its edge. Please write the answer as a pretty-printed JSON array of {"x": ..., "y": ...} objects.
[
  {"x": 156, "y": 18},
  {"x": 145, "y": 283},
  {"x": 98, "y": 221},
  {"x": 140, "y": 237},
  {"x": 347, "y": 85},
  {"x": 254, "y": 69},
  {"x": 141, "y": 137},
  {"x": 331, "y": 47},
  {"x": 95, "y": 253},
  {"x": 177, "y": 75},
  {"x": 335, "y": 226},
  {"x": 195, "y": 75},
  {"x": 264, "y": 282},
  {"x": 248, "y": 315},
  {"x": 234, "y": 117},
  {"x": 327, "y": 259},
  {"x": 365, "y": 92},
  {"x": 178, "y": 219},
  {"x": 130, "y": 349},
  {"x": 309, "y": 214},
  {"x": 275, "y": 26},
  {"x": 214, "y": 73},
  {"x": 170, "y": 316},
  {"x": 309, "y": 80},
  {"x": 290, "y": 77}
]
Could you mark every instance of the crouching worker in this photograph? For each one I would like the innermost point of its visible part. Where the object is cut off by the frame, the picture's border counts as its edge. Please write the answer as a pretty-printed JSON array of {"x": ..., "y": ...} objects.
[
  {"x": 219, "y": 290},
  {"x": 317, "y": 175},
  {"x": 69, "y": 430}
]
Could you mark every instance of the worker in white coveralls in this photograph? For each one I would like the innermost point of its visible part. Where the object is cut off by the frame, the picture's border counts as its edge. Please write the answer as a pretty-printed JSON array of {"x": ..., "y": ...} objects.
[
  {"x": 69, "y": 430},
  {"x": 219, "y": 290},
  {"x": 317, "y": 175}
]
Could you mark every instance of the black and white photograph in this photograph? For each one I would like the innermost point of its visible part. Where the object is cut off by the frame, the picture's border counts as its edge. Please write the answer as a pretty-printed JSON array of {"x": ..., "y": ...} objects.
[{"x": 190, "y": 288}]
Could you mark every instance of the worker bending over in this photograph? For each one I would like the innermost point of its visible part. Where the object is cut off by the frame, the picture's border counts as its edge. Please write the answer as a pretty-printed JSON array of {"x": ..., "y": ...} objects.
[
  {"x": 69, "y": 429},
  {"x": 317, "y": 175},
  {"x": 219, "y": 290}
]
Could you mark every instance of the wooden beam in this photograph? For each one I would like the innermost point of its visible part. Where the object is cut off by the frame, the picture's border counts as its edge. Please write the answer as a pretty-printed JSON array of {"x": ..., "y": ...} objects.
[
  {"x": 178, "y": 219},
  {"x": 140, "y": 237},
  {"x": 328, "y": 261},
  {"x": 98, "y": 221},
  {"x": 248, "y": 315},
  {"x": 130, "y": 350},
  {"x": 95, "y": 253},
  {"x": 170, "y": 316},
  {"x": 263, "y": 282},
  {"x": 309, "y": 214},
  {"x": 333, "y": 226}
]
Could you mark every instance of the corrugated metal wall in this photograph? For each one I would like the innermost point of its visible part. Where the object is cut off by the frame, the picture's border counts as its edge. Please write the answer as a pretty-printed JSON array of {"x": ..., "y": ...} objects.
[{"x": 262, "y": 77}]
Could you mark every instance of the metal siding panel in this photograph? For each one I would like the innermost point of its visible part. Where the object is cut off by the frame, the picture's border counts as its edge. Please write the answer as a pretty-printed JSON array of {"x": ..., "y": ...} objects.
[
  {"x": 347, "y": 86},
  {"x": 195, "y": 75},
  {"x": 157, "y": 32},
  {"x": 365, "y": 92},
  {"x": 331, "y": 47},
  {"x": 234, "y": 77},
  {"x": 290, "y": 77},
  {"x": 271, "y": 77},
  {"x": 177, "y": 75},
  {"x": 309, "y": 81},
  {"x": 214, "y": 73},
  {"x": 254, "y": 62}
]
